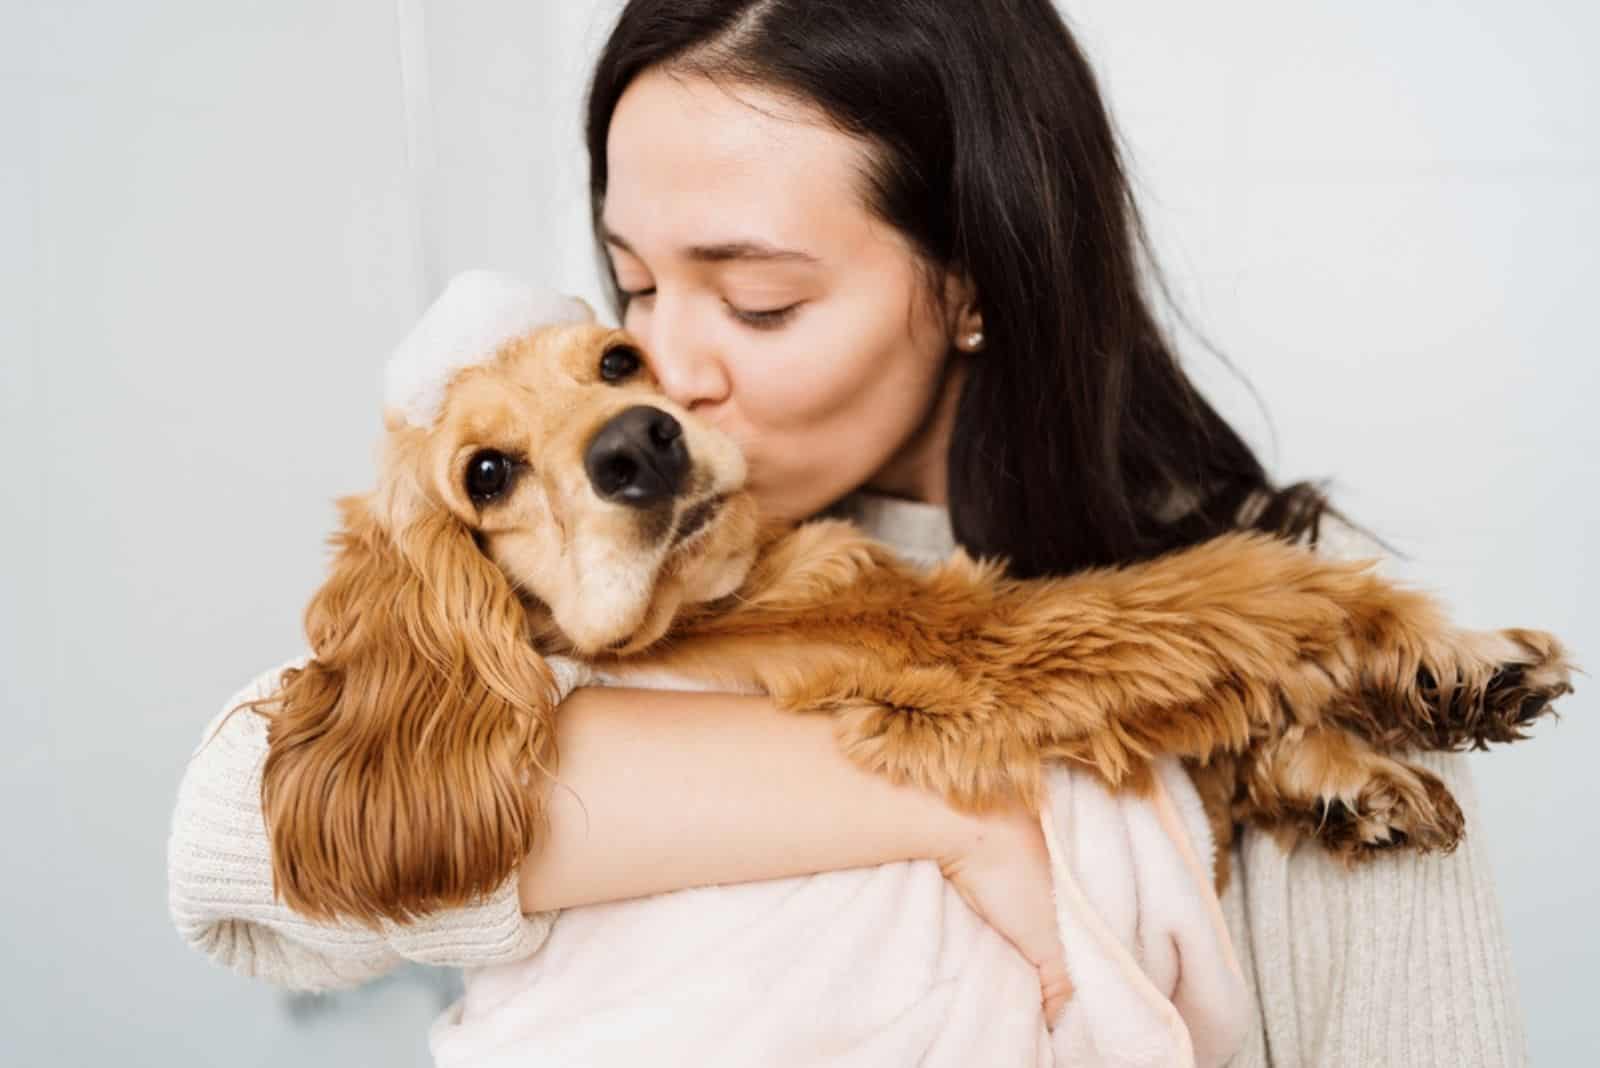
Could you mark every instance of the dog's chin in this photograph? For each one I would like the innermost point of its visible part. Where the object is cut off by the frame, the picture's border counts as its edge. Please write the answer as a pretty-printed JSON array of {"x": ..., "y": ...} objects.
[
  {"x": 696, "y": 523},
  {"x": 714, "y": 548},
  {"x": 710, "y": 553}
]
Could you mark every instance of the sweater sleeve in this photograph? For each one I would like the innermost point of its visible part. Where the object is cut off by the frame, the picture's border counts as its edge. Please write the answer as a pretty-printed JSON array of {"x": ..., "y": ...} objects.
[
  {"x": 1399, "y": 961},
  {"x": 220, "y": 891}
]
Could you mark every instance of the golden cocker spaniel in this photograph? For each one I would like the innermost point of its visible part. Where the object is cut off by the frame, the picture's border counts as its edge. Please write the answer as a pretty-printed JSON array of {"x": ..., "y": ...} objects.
[{"x": 560, "y": 504}]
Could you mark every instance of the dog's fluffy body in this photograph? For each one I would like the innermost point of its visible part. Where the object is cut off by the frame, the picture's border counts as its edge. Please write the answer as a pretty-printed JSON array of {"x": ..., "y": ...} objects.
[{"x": 398, "y": 775}]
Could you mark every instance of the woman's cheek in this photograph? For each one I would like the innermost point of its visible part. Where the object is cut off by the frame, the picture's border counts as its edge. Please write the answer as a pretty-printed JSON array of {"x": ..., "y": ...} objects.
[
  {"x": 824, "y": 403},
  {"x": 808, "y": 381},
  {"x": 812, "y": 462}
]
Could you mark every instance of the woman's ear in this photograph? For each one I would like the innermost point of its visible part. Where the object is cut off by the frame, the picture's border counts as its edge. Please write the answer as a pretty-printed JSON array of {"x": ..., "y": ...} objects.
[
  {"x": 398, "y": 776},
  {"x": 964, "y": 318}
]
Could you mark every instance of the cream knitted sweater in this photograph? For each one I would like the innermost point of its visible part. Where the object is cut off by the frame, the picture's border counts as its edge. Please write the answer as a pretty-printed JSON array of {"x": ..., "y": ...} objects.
[{"x": 1400, "y": 962}]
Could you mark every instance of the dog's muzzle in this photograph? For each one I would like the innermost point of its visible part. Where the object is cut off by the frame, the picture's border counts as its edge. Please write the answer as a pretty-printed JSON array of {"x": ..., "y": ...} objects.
[{"x": 638, "y": 458}]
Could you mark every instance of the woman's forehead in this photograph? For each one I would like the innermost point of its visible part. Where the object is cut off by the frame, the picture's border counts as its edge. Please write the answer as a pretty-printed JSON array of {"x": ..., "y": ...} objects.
[{"x": 691, "y": 162}]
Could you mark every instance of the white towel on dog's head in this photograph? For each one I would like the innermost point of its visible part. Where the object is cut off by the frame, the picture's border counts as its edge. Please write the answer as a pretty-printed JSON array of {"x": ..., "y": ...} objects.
[{"x": 478, "y": 312}]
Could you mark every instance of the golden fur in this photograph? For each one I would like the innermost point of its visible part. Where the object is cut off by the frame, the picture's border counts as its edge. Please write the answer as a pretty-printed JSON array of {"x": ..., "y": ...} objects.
[{"x": 398, "y": 777}]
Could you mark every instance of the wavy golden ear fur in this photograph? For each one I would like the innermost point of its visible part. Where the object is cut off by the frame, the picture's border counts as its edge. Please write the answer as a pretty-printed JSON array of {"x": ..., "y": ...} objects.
[{"x": 397, "y": 780}]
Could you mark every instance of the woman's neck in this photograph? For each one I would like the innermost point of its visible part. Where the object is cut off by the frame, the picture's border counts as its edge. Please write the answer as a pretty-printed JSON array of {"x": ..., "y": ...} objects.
[{"x": 920, "y": 471}]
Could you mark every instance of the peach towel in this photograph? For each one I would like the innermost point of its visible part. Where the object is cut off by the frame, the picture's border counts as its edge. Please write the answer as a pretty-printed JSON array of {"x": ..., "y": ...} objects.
[{"x": 887, "y": 966}]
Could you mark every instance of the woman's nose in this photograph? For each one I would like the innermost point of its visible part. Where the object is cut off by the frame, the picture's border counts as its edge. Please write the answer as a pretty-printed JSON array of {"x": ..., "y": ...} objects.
[{"x": 684, "y": 359}]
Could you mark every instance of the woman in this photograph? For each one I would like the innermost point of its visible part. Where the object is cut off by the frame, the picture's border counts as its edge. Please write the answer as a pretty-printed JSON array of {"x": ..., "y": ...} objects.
[{"x": 890, "y": 249}]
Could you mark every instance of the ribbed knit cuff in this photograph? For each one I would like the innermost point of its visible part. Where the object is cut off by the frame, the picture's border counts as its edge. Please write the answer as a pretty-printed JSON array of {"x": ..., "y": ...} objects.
[
  {"x": 220, "y": 888},
  {"x": 492, "y": 932}
]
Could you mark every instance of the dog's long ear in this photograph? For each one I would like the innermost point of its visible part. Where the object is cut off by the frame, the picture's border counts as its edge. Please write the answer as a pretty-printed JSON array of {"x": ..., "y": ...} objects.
[{"x": 398, "y": 777}]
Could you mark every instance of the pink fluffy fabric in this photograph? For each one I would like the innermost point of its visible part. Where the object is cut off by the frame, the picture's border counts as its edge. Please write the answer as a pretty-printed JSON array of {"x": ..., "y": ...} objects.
[{"x": 887, "y": 965}]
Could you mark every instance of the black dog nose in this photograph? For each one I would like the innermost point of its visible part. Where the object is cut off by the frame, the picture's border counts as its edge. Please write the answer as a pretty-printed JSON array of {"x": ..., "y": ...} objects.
[{"x": 637, "y": 458}]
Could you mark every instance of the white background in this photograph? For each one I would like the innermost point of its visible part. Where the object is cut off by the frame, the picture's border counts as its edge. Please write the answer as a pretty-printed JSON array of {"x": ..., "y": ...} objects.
[{"x": 1386, "y": 215}]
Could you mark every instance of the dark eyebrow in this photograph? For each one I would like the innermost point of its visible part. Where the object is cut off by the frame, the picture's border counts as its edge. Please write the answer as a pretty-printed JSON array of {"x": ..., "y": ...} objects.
[
  {"x": 747, "y": 250},
  {"x": 728, "y": 251}
]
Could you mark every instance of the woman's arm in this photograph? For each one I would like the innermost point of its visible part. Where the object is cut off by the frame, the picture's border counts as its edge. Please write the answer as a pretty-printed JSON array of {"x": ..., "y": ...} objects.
[
  {"x": 677, "y": 790},
  {"x": 662, "y": 790}
]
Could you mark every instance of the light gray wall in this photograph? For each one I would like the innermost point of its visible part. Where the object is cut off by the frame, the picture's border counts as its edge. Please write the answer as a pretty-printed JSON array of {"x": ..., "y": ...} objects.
[{"x": 216, "y": 218}]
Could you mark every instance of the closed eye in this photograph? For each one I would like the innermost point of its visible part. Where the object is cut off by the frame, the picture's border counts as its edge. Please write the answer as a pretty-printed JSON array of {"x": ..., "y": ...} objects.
[
  {"x": 755, "y": 318},
  {"x": 764, "y": 319}
]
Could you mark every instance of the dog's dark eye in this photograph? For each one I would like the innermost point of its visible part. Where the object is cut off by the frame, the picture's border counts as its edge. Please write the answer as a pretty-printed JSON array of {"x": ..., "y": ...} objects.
[
  {"x": 487, "y": 475},
  {"x": 619, "y": 362}
]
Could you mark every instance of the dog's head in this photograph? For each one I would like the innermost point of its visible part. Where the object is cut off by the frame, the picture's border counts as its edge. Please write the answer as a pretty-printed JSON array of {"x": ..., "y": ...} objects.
[
  {"x": 606, "y": 506},
  {"x": 545, "y": 497}
]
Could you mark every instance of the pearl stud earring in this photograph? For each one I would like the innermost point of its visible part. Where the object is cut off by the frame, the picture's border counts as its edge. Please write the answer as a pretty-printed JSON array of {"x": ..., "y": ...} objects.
[{"x": 972, "y": 342}]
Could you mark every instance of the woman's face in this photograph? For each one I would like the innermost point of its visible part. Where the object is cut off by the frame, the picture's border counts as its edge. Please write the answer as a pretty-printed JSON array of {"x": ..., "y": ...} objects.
[{"x": 770, "y": 301}]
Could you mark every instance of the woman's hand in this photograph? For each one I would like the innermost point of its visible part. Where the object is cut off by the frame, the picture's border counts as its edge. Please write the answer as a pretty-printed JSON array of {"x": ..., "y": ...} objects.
[{"x": 1002, "y": 870}]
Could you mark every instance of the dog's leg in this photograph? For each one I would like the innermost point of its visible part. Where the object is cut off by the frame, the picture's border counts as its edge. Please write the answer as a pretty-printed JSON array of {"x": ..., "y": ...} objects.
[
  {"x": 963, "y": 681},
  {"x": 920, "y": 724},
  {"x": 1245, "y": 635},
  {"x": 1324, "y": 783}
]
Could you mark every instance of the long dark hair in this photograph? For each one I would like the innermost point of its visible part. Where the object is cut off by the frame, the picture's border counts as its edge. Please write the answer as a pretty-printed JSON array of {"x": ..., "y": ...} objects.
[{"x": 1078, "y": 439}]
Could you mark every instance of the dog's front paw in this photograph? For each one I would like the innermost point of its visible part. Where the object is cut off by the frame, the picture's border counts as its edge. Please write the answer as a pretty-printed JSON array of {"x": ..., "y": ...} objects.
[
  {"x": 1507, "y": 680},
  {"x": 1397, "y": 807},
  {"x": 1462, "y": 690},
  {"x": 1332, "y": 786},
  {"x": 1523, "y": 688}
]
